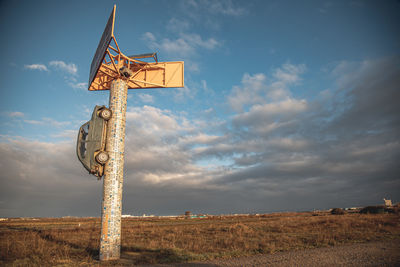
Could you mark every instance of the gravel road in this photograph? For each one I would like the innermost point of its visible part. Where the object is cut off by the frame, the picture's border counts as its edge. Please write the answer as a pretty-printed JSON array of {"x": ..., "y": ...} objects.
[{"x": 364, "y": 254}]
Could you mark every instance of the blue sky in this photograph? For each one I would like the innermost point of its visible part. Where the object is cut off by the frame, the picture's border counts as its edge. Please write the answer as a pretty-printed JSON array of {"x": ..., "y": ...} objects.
[{"x": 287, "y": 105}]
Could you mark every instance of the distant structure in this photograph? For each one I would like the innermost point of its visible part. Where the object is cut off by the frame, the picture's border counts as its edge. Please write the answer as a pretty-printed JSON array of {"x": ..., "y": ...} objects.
[{"x": 388, "y": 202}]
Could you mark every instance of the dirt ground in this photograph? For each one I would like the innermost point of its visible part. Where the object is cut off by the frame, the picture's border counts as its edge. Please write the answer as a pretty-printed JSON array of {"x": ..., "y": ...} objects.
[{"x": 385, "y": 253}]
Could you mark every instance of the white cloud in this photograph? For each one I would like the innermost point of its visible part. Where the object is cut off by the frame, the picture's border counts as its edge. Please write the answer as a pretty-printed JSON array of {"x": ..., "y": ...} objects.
[
  {"x": 185, "y": 45},
  {"x": 177, "y": 25},
  {"x": 283, "y": 107},
  {"x": 215, "y": 7},
  {"x": 289, "y": 73},
  {"x": 40, "y": 67},
  {"x": 200, "y": 138},
  {"x": 48, "y": 121},
  {"x": 55, "y": 123},
  {"x": 249, "y": 92},
  {"x": 208, "y": 91},
  {"x": 148, "y": 36},
  {"x": 197, "y": 41},
  {"x": 66, "y": 134},
  {"x": 178, "y": 46},
  {"x": 146, "y": 98},
  {"x": 78, "y": 85},
  {"x": 257, "y": 89},
  {"x": 274, "y": 150},
  {"x": 192, "y": 66},
  {"x": 181, "y": 93},
  {"x": 70, "y": 68},
  {"x": 153, "y": 120},
  {"x": 36, "y": 122},
  {"x": 225, "y": 7},
  {"x": 155, "y": 149},
  {"x": 16, "y": 114}
]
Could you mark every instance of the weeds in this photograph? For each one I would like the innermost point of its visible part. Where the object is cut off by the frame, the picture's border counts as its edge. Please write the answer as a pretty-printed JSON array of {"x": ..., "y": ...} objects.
[{"x": 75, "y": 241}]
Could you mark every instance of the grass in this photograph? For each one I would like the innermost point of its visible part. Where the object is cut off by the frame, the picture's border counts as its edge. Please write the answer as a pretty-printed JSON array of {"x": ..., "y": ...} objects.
[{"x": 75, "y": 241}]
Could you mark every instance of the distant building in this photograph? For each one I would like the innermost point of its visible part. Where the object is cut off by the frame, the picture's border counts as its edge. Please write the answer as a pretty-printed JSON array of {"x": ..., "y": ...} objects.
[{"x": 388, "y": 202}]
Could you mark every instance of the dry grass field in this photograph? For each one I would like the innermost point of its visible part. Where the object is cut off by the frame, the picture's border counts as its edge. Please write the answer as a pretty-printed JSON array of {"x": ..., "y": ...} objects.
[{"x": 75, "y": 241}]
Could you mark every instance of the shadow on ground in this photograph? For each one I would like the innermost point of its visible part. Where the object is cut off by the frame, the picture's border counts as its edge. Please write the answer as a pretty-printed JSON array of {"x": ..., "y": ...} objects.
[
  {"x": 130, "y": 256},
  {"x": 157, "y": 257}
]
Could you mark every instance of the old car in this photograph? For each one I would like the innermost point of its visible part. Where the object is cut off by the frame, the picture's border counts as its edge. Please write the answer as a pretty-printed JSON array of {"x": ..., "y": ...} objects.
[{"x": 90, "y": 146}]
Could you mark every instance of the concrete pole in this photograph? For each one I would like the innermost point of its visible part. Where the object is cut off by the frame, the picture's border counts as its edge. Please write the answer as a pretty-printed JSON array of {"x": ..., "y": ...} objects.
[{"x": 110, "y": 239}]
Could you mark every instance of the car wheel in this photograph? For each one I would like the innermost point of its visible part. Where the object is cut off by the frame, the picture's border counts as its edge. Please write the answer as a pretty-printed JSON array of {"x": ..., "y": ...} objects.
[
  {"x": 102, "y": 157},
  {"x": 105, "y": 113}
]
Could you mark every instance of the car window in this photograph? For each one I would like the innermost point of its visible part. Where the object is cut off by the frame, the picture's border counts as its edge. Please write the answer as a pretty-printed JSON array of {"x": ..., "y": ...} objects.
[{"x": 83, "y": 144}]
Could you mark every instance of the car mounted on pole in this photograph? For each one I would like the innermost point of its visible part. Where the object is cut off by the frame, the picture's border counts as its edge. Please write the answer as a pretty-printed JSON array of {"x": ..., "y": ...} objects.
[
  {"x": 101, "y": 143},
  {"x": 90, "y": 146}
]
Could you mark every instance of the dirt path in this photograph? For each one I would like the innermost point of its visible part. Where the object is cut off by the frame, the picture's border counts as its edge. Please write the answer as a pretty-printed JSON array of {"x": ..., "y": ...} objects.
[{"x": 366, "y": 254}]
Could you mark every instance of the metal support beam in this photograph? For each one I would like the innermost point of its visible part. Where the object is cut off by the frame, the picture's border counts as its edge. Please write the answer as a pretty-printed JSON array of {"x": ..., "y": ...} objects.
[{"x": 110, "y": 239}]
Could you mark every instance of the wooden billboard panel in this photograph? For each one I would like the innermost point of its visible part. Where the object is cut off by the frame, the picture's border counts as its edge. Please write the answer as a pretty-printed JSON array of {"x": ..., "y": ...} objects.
[
  {"x": 101, "y": 50},
  {"x": 150, "y": 75},
  {"x": 161, "y": 74}
]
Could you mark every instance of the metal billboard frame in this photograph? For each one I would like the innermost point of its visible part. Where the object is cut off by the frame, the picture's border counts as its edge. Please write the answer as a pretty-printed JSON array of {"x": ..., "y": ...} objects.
[{"x": 108, "y": 35}]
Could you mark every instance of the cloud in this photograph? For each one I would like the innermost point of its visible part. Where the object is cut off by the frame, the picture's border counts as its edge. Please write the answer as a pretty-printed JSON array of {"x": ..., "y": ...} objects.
[
  {"x": 70, "y": 68},
  {"x": 216, "y": 7},
  {"x": 16, "y": 114},
  {"x": 153, "y": 120},
  {"x": 225, "y": 7},
  {"x": 48, "y": 122},
  {"x": 277, "y": 153},
  {"x": 66, "y": 134},
  {"x": 146, "y": 98},
  {"x": 177, "y": 25},
  {"x": 181, "y": 93},
  {"x": 182, "y": 43},
  {"x": 148, "y": 36},
  {"x": 197, "y": 41},
  {"x": 368, "y": 93},
  {"x": 262, "y": 117},
  {"x": 289, "y": 73},
  {"x": 41, "y": 179},
  {"x": 209, "y": 13},
  {"x": 55, "y": 123},
  {"x": 257, "y": 89},
  {"x": 40, "y": 67},
  {"x": 35, "y": 122},
  {"x": 185, "y": 45},
  {"x": 248, "y": 92},
  {"x": 78, "y": 85},
  {"x": 298, "y": 141}
]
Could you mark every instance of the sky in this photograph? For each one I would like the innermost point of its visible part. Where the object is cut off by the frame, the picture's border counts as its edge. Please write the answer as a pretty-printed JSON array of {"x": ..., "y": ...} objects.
[{"x": 287, "y": 106}]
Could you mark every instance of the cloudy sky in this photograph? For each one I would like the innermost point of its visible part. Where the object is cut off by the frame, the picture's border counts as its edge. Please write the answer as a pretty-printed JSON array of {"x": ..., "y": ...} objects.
[{"x": 287, "y": 105}]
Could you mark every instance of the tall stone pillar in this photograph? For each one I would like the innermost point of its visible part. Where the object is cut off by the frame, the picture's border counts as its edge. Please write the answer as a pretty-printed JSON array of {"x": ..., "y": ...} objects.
[{"x": 110, "y": 239}]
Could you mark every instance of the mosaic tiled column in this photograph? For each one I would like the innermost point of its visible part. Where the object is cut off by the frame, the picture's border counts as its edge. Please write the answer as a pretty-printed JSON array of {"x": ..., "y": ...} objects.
[{"x": 110, "y": 239}]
